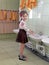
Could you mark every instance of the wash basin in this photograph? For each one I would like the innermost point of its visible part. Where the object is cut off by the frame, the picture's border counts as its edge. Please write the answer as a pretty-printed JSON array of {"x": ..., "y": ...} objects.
[
  {"x": 16, "y": 30},
  {"x": 45, "y": 41},
  {"x": 35, "y": 37}
]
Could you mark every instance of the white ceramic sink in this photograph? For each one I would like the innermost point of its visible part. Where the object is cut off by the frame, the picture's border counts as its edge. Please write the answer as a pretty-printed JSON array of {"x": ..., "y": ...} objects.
[
  {"x": 35, "y": 37},
  {"x": 16, "y": 30},
  {"x": 45, "y": 41}
]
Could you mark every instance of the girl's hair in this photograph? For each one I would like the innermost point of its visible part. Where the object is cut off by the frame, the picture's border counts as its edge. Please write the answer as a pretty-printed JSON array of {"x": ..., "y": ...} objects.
[{"x": 22, "y": 13}]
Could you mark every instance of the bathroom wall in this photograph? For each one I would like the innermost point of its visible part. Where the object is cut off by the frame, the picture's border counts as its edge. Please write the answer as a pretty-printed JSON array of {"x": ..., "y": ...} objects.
[
  {"x": 40, "y": 20},
  {"x": 9, "y": 4},
  {"x": 9, "y": 25}
]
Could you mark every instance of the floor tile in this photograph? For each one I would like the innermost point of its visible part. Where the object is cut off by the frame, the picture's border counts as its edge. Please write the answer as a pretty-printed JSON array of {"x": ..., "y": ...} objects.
[
  {"x": 8, "y": 62},
  {"x": 9, "y": 51}
]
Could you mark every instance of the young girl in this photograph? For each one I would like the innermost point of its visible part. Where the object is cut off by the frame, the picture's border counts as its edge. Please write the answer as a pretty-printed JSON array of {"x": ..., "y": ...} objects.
[{"x": 22, "y": 34}]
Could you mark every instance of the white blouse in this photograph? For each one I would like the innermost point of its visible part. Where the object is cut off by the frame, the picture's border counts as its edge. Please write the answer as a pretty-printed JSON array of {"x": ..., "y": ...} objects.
[{"x": 22, "y": 25}]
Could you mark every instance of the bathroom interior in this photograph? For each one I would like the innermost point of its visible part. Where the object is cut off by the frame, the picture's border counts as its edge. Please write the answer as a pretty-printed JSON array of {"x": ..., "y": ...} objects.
[{"x": 38, "y": 21}]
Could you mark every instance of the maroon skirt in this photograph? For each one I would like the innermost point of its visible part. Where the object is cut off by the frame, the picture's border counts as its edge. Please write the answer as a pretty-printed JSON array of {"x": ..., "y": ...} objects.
[{"x": 22, "y": 36}]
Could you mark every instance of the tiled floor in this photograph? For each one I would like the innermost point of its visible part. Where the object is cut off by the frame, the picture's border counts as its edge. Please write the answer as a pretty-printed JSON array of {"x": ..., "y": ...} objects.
[{"x": 9, "y": 51}]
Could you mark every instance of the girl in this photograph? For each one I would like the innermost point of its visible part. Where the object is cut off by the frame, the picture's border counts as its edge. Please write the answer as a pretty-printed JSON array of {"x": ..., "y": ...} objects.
[{"x": 22, "y": 36}]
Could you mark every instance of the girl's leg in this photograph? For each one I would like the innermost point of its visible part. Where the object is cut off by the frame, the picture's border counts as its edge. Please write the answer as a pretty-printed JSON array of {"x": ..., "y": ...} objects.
[
  {"x": 22, "y": 46},
  {"x": 21, "y": 57}
]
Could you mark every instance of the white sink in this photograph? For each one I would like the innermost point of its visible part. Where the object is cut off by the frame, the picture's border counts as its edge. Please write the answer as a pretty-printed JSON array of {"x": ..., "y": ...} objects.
[
  {"x": 16, "y": 30},
  {"x": 45, "y": 41},
  {"x": 35, "y": 37}
]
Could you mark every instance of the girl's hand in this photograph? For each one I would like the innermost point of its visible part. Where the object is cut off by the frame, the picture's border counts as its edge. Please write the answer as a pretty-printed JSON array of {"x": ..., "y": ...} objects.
[{"x": 31, "y": 32}]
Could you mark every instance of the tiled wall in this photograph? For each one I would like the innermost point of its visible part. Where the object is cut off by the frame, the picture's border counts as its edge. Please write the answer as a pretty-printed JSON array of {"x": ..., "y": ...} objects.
[
  {"x": 8, "y": 22},
  {"x": 40, "y": 24},
  {"x": 7, "y": 26},
  {"x": 9, "y": 4}
]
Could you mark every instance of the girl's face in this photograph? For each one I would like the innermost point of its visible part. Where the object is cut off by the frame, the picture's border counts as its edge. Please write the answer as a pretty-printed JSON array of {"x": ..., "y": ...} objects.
[{"x": 25, "y": 17}]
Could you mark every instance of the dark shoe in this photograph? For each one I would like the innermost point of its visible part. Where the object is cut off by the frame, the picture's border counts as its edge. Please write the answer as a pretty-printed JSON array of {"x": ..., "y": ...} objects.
[
  {"x": 22, "y": 56},
  {"x": 23, "y": 59}
]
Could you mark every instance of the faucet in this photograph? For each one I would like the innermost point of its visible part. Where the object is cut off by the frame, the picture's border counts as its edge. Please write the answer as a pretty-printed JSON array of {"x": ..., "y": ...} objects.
[{"x": 40, "y": 33}]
